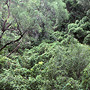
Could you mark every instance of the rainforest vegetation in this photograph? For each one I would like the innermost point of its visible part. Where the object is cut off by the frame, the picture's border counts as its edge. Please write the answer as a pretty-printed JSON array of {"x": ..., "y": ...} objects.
[{"x": 44, "y": 44}]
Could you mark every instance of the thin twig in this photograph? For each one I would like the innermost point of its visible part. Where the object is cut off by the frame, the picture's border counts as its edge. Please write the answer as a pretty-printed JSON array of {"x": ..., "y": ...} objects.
[{"x": 14, "y": 49}]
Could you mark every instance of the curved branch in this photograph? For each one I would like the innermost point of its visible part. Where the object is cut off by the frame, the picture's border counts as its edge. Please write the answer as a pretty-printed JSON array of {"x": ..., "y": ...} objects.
[
  {"x": 14, "y": 50},
  {"x": 13, "y": 41},
  {"x": 4, "y": 26}
]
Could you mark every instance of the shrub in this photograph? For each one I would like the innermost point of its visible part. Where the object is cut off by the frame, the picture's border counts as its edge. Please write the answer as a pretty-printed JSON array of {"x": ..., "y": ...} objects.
[
  {"x": 80, "y": 29},
  {"x": 87, "y": 39},
  {"x": 86, "y": 78},
  {"x": 75, "y": 59}
]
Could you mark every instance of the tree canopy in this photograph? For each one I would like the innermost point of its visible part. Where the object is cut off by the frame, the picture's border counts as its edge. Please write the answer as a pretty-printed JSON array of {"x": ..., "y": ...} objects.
[{"x": 44, "y": 44}]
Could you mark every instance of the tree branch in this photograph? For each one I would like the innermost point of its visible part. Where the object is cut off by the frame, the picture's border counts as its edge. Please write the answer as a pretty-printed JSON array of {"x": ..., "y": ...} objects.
[
  {"x": 1, "y": 35},
  {"x": 14, "y": 50},
  {"x": 13, "y": 41},
  {"x": 18, "y": 27},
  {"x": 4, "y": 27}
]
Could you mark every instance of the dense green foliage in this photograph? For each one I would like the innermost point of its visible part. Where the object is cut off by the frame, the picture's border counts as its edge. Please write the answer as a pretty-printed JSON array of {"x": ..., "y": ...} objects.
[{"x": 44, "y": 45}]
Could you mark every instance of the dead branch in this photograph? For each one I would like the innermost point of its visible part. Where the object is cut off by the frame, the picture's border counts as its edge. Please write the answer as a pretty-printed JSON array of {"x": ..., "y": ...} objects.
[
  {"x": 13, "y": 41},
  {"x": 14, "y": 50}
]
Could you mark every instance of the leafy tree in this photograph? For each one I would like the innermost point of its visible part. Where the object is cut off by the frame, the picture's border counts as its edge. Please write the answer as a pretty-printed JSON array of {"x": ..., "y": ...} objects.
[
  {"x": 85, "y": 4},
  {"x": 80, "y": 29}
]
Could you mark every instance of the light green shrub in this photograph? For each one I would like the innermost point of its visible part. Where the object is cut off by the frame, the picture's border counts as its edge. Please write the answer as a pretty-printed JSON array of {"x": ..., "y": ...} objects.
[{"x": 86, "y": 78}]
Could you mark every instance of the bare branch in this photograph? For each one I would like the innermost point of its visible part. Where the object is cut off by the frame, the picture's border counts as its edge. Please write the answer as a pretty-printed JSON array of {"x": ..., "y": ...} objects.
[
  {"x": 18, "y": 27},
  {"x": 1, "y": 35},
  {"x": 14, "y": 50},
  {"x": 13, "y": 41},
  {"x": 8, "y": 26}
]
